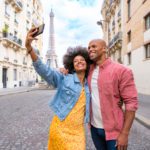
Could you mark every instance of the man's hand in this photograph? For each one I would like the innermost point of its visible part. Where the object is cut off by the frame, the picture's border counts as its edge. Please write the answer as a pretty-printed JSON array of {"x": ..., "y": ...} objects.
[
  {"x": 122, "y": 141},
  {"x": 63, "y": 71}
]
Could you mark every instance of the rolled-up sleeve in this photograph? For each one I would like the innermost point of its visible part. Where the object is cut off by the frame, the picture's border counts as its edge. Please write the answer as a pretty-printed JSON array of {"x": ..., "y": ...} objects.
[
  {"x": 51, "y": 76},
  {"x": 128, "y": 90}
]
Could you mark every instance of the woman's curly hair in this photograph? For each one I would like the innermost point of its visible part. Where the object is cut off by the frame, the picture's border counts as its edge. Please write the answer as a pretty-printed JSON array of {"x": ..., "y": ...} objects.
[{"x": 72, "y": 52}]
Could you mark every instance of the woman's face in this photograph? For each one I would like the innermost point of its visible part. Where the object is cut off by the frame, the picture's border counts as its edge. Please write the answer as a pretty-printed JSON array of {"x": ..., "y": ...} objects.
[{"x": 79, "y": 64}]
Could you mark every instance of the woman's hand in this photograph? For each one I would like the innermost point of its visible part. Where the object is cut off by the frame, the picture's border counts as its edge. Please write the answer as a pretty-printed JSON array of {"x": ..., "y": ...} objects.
[{"x": 30, "y": 38}]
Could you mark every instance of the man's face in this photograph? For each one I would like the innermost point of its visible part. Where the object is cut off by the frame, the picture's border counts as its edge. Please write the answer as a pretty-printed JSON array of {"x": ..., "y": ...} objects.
[{"x": 96, "y": 50}]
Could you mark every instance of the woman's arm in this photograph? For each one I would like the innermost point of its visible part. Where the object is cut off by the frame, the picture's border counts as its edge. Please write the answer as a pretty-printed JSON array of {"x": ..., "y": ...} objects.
[
  {"x": 53, "y": 77},
  {"x": 29, "y": 39}
]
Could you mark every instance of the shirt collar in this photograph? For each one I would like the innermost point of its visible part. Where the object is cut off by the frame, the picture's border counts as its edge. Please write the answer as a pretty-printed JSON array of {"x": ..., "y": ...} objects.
[{"x": 105, "y": 63}]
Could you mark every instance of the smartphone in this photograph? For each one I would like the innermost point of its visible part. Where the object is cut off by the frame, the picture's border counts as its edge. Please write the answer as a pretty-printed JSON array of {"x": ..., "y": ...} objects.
[{"x": 40, "y": 30}]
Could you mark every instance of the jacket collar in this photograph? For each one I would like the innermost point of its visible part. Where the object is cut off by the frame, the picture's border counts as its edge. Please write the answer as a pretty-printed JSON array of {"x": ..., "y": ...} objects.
[{"x": 76, "y": 79}]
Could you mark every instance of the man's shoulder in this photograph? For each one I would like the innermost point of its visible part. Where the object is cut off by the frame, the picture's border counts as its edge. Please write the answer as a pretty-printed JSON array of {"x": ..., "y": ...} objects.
[
  {"x": 119, "y": 66},
  {"x": 120, "y": 69}
]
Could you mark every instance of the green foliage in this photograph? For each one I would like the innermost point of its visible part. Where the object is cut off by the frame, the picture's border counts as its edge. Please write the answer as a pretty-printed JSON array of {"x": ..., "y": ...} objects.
[{"x": 5, "y": 29}]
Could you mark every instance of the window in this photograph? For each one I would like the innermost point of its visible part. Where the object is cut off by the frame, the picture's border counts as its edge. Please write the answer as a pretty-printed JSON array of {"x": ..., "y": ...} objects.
[
  {"x": 15, "y": 74},
  {"x": 129, "y": 58},
  {"x": 129, "y": 36},
  {"x": 147, "y": 22},
  {"x": 147, "y": 51},
  {"x": 113, "y": 24},
  {"x": 7, "y": 10},
  {"x": 27, "y": 25},
  {"x": 129, "y": 9},
  {"x": 28, "y": 14},
  {"x": 15, "y": 17}
]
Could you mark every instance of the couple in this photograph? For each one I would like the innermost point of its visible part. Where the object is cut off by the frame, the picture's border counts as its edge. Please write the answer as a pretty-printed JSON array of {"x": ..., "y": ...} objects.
[{"x": 90, "y": 93}]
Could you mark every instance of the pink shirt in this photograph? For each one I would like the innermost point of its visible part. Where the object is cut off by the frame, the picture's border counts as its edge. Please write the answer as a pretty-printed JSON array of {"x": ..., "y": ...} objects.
[{"x": 115, "y": 82}]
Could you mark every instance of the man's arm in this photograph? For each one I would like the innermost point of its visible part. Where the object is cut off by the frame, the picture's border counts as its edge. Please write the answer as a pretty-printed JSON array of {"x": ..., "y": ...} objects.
[
  {"x": 122, "y": 141},
  {"x": 128, "y": 93}
]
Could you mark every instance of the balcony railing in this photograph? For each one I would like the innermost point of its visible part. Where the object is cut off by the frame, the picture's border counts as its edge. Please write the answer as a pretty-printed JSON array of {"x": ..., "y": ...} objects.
[
  {"x": 11, "y": 39},
  {"x": 16, "y": 3},
  {"x": 116, "y": 38},
  {"x": 25, "y": 63},
  {"x": 110, "y": 2}
]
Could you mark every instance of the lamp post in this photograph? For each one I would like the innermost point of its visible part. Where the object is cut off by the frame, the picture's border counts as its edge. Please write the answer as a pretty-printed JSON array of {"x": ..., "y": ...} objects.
[{"x": 101, "y": 24}]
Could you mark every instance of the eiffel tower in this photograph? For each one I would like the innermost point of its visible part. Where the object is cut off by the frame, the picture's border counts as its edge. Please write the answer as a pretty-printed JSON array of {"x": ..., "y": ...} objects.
[{"x": 51, "y": 57}]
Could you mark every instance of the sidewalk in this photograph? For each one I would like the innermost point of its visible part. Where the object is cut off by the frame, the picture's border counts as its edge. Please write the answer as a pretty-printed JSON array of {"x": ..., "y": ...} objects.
[
  {"x": 142, "y": 115},
  {"x": 8, "y": 91}
]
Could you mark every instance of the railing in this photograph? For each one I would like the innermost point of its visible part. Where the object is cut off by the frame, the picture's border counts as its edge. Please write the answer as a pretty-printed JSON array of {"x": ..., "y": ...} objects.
[
  {"x": 16, "y": 3},
  {"x": 110, "y": 2},
  {"x": 25, "y": 63},
  {"x": 116, "y": 38},
  {"x": 19, "y": 3},
  {"x": 12, "y": 38}
]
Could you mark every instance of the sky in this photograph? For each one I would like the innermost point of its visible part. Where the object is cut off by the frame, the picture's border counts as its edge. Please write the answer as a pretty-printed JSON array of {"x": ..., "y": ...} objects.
[{"x": 75, "y": 23}]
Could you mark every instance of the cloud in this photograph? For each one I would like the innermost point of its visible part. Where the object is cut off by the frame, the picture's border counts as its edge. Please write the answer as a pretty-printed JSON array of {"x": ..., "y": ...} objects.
[{"x": 74, "y": 21}]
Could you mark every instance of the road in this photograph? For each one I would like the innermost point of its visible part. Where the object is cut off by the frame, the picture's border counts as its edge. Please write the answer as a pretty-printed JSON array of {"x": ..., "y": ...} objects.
[{"x": 25, "y": 119}]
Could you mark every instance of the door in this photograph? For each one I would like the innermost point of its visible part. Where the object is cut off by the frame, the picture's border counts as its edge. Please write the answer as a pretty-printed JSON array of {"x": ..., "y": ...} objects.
[{"x": 4, "y": 78}]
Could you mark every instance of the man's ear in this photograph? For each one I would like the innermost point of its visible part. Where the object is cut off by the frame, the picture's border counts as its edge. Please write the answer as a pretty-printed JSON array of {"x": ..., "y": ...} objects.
[{"x": 104, "y": 49}]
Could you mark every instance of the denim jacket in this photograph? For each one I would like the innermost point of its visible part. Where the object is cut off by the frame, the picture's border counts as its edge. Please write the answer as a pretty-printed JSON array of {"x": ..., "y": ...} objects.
[{"x": 68, "y": 90}]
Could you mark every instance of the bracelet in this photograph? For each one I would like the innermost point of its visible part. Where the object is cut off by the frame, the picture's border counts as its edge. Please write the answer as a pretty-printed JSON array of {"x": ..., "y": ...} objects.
[{"x": 30, "y": 51}]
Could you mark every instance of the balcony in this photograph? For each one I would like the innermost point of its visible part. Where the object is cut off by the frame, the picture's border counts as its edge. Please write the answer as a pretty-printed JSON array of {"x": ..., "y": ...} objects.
[
  {"x": 17, "y": 4},
  {"x": 111, "y": 2},
  {"x": 116, "y": 41},
  {"x": 112, "y": 6},
  {"x": 8, "y": 40}
]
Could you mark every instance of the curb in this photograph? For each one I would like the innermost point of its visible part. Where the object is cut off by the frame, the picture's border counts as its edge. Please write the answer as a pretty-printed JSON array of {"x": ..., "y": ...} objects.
[
  {"x": 23, "y": 91},
  {"x": 15, "y": 92},
  {"x": 144, "y": 121}
]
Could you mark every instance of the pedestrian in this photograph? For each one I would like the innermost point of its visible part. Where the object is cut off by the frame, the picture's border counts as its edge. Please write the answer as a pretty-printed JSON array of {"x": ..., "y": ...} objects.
[
  {"x": 110, "y": 82},
  {"x": 71, "y": 101}
]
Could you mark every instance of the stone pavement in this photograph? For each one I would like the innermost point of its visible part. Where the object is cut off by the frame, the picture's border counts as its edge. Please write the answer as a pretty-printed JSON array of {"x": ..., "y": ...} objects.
[{"x": 142, "y": 115}]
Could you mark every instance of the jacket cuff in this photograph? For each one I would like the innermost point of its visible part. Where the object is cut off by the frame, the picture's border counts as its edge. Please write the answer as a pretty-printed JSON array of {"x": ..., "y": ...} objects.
[{"x": 37, "y": 62}]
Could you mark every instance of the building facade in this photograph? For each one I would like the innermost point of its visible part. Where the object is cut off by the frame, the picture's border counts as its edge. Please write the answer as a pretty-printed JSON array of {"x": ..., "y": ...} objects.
[
  {"x": 136, "y": 41},
  {"x": 112, "y": 27},
  {"x": 17, "y": 17},
  {"x": 133, "y": 34}
]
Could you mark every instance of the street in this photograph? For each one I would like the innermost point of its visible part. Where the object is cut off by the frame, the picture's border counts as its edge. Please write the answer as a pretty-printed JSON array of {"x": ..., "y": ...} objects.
[{"x": 25, "y": 119}]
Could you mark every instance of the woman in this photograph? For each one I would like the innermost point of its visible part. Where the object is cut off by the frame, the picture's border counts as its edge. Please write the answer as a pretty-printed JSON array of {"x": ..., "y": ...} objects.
[{"x": 71, "y": 102}]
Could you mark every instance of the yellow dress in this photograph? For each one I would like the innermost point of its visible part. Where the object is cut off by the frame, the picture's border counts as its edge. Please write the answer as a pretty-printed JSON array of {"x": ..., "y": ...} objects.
[{"x": 69, "y": 134}]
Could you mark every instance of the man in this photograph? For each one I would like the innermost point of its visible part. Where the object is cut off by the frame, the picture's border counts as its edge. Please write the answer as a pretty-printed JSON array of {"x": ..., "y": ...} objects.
[{"x": 109, "y": 82}]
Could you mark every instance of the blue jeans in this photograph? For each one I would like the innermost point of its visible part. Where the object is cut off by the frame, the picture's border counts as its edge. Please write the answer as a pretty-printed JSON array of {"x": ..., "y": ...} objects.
[{"x": 98, "y": 137}]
